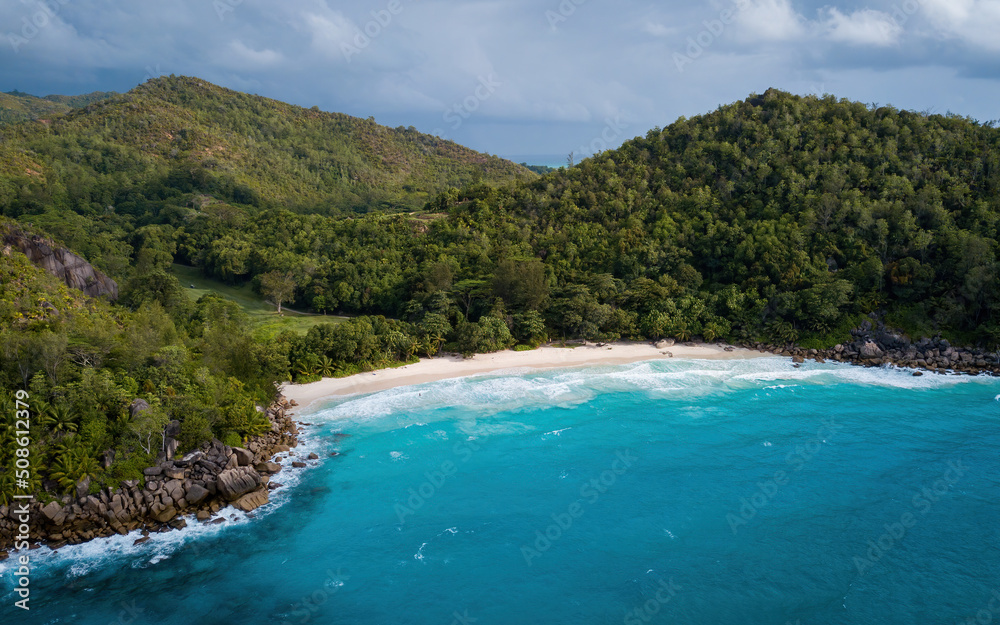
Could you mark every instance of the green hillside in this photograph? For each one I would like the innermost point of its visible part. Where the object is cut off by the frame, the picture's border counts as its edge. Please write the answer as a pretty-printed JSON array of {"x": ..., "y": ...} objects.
[
  {"x": 172, "y": 137},
  {"x": 16, "y": 106},
  {"x": 80, "y": 362},
  {"x": 778, "y": 218}
]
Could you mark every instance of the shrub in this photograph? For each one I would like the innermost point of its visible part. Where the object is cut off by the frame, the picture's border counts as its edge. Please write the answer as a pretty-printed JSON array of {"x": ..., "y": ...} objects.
[{"x": 128, "y": 466}]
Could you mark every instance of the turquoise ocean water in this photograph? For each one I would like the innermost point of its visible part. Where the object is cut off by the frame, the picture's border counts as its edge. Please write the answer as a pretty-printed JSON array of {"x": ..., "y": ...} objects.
[{"x": 695, "y": 492}]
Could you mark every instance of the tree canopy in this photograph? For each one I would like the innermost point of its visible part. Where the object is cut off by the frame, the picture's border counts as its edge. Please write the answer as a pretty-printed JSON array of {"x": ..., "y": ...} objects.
[{"x": 779, "y": 218}]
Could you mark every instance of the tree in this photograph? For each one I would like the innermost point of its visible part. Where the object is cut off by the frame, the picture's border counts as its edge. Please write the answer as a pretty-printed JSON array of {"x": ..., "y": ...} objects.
[
  {"x": 326, "y": 367},
  {"x": 72, "y": 466},
  {"x": 277, "y": 286},
  {"x": 52, "y": 352},
  {"x": 468, "y": 291},
  {"x": 521, "y": 283},
  {"x": 435, "y": 327},
  {"x": 529, "y": 327},
  {"x": 154, "y": 286},
  {"x": 147, "y": 427},
  {"x": 58, "y": 418},
  {"x": 489, "y": 334}
]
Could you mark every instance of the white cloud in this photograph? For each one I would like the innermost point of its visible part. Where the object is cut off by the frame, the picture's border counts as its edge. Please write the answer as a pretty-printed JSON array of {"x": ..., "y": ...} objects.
[
  {"x": 949, "y": 13},
  {"x": 330, "y": 32},
  {"x": 864, "y": 27},
  {"x": 770, "y": 20},
  {"x": 604, "y": 59},
  {"x": 656, "y": 29},
  {"x": 248, "y": 58},
  {"x": 974, "y": 22}
]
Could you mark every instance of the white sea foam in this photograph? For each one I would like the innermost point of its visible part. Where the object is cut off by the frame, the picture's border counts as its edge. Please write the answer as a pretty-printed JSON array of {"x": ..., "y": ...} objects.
[
  {"x": 100, "y": 553},
  {"x": 482, "y": 394},
  {"x": 112, "y": 551},
  {"x": 497, "y": 392},
  {"x": 839, "y": 373}
]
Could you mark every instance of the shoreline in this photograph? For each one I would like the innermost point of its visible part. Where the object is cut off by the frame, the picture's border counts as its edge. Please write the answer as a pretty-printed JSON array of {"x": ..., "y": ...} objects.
[
  {"x": 202, "y": 484},
  {"x": 540, "y": 359},
  {"x": 166, "y": 498},
  {"x": 871, "y": 345}
]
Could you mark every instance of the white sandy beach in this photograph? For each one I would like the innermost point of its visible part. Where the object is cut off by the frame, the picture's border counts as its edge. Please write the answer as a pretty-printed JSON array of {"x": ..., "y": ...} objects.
[{"x": 445, "y": 367}]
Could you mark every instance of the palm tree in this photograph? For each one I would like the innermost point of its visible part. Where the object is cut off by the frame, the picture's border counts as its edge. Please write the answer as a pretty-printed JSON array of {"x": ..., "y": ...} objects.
[
  {"x": 59, "y": 419},
  {"x": 307, "y": 366},
  {"x": 412, "y": 347},
  {"x": 681, "y": 331},
  {"x": 437, "y": 338},
  {"x": 120, "y": 423},
  {"x": 427, "y": 346},
  {"x": 41, "y": 408},
  {"x": 73, "y": 466},
  {"x": 710, "y": 332},
  {"x": 62, "y": 420},
  {"x": 326, "y": 368}
]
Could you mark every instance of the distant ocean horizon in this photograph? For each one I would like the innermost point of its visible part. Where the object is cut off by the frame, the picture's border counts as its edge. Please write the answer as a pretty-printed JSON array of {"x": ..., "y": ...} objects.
[{"x": 548, "y": 160}]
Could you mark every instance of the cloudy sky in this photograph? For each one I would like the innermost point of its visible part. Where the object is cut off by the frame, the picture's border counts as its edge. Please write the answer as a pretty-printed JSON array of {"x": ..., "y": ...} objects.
[{"x": 518, "y": 77}]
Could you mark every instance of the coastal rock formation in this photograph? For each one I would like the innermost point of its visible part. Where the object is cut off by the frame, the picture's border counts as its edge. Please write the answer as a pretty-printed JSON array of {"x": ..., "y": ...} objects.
[
  {"x": 871, "y": 350},
  {"x": 875, "y": 345},
  {"x": 203, "y": 482},
  {"x": 244, "y": 457},
  {"x": 251, "y": 501},
  {"x": 234, "y": 483},
  {"x": 63, "y": 264}
]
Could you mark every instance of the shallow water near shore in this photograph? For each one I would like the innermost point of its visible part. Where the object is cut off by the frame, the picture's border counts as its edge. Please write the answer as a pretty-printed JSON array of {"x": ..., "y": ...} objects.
[{"x": 668, "y": 492}]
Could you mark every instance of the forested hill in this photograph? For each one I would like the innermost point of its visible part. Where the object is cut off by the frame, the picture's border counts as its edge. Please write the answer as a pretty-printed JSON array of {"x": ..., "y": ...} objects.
[
  {"x": 16, "y": 106},
  {"x": 775, "y": 219},
  {"x": 175, "y": 136},
  {"x": 778, "y": 217}
]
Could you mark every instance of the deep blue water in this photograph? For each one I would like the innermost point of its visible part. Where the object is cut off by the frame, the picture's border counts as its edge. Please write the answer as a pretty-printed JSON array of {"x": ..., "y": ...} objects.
[{"x": 744, "y": 492}]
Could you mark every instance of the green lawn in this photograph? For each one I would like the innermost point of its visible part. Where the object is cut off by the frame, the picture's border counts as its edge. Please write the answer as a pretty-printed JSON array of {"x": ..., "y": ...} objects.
[{"x": 263, "y": 313}]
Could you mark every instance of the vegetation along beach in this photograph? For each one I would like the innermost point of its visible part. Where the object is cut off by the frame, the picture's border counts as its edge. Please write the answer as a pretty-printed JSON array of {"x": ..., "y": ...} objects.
[{"x": 283, "y": 340}]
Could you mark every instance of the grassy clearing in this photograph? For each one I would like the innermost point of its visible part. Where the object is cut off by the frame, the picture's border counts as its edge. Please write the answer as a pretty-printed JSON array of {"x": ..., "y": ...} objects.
[{"x": 262, "y": 313}]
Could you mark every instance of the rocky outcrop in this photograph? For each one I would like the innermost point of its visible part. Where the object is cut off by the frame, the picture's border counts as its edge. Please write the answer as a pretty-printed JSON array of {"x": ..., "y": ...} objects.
[
  {"x": 870, "y": 350},
  {"x": 202, "y": 483},
  {"x": 244, "y": 457},
  {"x": 874, "y": 345},
  {"x": 62, "y": 263},
  {"x": 137, "y": 406},
  {"x": 234, "y": 483},
  {"x": 251, "y": 501}
]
